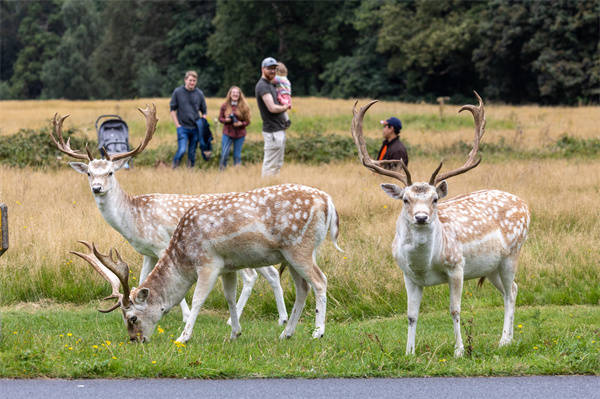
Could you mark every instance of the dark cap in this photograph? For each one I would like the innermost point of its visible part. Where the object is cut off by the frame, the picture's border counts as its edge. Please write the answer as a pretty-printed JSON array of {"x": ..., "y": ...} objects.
[
  {"x": 267, "y": 62},
  {"x": 393, "y": 122}
]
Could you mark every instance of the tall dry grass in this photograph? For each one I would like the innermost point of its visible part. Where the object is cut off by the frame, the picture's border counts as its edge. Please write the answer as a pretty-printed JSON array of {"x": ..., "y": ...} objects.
[
  {"x": 50, "y": 210},
  {"x": 524, "y": 126}
]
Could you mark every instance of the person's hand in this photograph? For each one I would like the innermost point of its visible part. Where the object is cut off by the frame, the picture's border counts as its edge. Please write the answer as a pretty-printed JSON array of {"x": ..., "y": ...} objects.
[
  {"x": 228, "y": 120},
  {"x": 237, "y": 124}
]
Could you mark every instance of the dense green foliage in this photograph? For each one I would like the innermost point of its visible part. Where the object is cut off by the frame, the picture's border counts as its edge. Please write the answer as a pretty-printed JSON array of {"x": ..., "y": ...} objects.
[
  {"x": 34, "y": 148},
  {"x": 512, "y": 51}
]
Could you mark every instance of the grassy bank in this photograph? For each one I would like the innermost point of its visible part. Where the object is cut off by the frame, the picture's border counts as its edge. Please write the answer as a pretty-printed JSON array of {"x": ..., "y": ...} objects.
[{"x": 82, "y": 343}]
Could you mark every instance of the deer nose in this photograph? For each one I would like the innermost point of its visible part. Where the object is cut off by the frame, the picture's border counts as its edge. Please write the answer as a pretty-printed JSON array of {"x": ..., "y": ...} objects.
[
  {"x": 96, "y": 189},
  {"x": 421, "y": 219}
]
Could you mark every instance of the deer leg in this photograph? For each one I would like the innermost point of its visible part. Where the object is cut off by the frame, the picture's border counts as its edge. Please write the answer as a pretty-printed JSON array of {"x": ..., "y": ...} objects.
[
  {"x": 229, "y": 281},
  {"x": 414, "y": 293},
  {"x": 272, "y": 276},
  {"x": 147, "y": 266},
  {"x": 319, "y": 285},
  {"x": 207, "y": 276},
  {"x": 455, "y": 282},
  {"x": 301, "y": 293},
  {"x": 249, "y": 277},
  {"x": 507, "y": 276}
]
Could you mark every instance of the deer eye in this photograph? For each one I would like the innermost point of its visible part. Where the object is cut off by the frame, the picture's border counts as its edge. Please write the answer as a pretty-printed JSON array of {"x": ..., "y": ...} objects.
[
  {"x": 435, "y": 200},
  {"x": 88, "y": 173},
  {"x": 110, "y": 173}
]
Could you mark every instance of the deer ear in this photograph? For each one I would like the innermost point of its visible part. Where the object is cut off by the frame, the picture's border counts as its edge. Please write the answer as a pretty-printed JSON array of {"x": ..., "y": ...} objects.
[
  {"x": 79, "y": 167},
  {"x": 142, "y": 296},
  {"x": 120, "y": 163},
  {"x": 442, "y": 189},
  {"x": 393, "y": 190}
]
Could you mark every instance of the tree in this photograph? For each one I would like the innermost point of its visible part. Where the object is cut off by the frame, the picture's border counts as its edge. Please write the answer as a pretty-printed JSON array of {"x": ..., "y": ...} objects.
[
  {"x": 429, "y": 45},
  {"x": 68, "y": 73},
  {"x": 362, "y": 73},
  {"x": 39, "y": 32}
]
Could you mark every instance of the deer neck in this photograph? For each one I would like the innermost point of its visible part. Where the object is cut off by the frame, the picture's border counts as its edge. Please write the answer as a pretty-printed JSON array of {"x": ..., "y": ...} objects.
[
  {"x": 422, "y": 245},
  {"x": 168, "y": 282},
  {"x": 115, "y": 206}
]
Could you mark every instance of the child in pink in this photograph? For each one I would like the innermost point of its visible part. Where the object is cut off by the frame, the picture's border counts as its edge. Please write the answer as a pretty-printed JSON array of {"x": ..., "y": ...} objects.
[{"x": 284, "y": 89}]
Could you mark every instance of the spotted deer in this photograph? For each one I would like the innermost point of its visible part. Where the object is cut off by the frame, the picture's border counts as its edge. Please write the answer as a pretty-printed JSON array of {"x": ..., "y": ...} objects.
[
  {"x": 477, "y": 235},
  {"x": 216, "y": 237},
  {"x": 147, "y": 221}
]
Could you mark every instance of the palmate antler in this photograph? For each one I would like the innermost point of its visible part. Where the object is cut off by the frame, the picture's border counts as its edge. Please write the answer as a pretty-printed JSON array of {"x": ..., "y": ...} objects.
[
  {"x": 357, "y": 133},
  {"x": 63, "y": 147},
  {"x": 150, "y": 114},
  {"x": 359, "y": 140},
  {"x": 56, "y": 135},
  {"x": 115, "y": 272},
  {"x": 479, "y": 119}
]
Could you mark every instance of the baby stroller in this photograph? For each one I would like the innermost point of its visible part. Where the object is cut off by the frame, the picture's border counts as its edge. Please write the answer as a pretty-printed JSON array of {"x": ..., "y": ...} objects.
[{"x": 113, "y": 136}]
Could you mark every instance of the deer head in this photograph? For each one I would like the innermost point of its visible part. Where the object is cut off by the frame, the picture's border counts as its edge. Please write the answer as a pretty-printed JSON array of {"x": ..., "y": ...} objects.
[
  {"x": 139, "y": 314},
  {"x": 100, "y": 172},
  {"x": 420, "y": 199}
]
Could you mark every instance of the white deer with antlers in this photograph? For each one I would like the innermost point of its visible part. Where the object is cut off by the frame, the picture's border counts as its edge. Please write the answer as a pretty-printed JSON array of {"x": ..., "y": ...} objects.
[
  {"x": 477, "y": 235},
  {"x": 147, "y": 221},
  {"x": 218, "y": 236}
]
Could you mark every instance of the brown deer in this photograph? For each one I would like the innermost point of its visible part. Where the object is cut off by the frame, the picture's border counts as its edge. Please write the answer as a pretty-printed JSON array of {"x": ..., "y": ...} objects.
[
  {"x": 216, "y": 237},
  {"x": 147, "y": 221},
  {"x": 477, "y": 235}
]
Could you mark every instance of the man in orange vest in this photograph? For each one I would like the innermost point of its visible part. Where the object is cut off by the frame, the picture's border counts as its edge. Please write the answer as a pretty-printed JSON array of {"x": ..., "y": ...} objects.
[{"x": 392, "y": 148}]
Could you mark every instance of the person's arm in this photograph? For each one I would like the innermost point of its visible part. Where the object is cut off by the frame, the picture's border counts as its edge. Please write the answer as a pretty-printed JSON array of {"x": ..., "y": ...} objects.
[
  {"x": 222, "y": 117},
  {"x": 173, "y": 106},
  {"x": 202, "y": 105},
  {"x": 174, "y": 117},
  {"x": 271, "y": 106}
]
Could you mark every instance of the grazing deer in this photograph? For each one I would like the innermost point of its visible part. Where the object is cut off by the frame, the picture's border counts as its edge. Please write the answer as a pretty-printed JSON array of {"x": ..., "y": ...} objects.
[
  {"x": 477, "y": 235},
  {"x": 218, "y": 236},
  {"x": 147, "y": 221}
]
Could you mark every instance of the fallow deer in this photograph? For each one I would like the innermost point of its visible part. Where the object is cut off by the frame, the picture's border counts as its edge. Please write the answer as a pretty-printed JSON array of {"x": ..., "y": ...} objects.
[
  {"x": 218, "y": 236},
  {"x": 478, "y": 235},
  {"x": 147, "y": 221}
]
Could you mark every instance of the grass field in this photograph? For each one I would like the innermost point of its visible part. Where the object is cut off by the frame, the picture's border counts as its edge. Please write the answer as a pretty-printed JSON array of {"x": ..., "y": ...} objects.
[{"x": 45, "y": 292}]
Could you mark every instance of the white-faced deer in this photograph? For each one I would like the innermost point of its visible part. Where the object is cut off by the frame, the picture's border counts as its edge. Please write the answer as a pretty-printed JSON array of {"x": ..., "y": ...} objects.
[
  {"x": 147, "y": 221},
  {"x": 218, "y": 236},
  {"x": 477, "y": 235}
]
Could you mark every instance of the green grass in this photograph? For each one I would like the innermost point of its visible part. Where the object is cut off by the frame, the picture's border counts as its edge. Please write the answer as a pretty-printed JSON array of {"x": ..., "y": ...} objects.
[{"x": 82, "y": 343}]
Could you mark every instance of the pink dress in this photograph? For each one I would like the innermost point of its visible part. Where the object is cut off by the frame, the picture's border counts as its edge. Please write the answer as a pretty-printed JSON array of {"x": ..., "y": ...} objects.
[{"x": 284, "y": 90}]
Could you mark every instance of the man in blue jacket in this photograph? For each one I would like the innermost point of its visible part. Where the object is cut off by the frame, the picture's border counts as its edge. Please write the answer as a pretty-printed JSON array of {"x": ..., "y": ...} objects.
[{"x": 187, "y": 105}]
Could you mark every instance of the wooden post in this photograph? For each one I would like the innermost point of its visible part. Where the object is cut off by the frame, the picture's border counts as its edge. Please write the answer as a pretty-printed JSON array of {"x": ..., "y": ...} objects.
[
  {"x": 442, "y": 101},
  {"x": 3, "y": 228}
]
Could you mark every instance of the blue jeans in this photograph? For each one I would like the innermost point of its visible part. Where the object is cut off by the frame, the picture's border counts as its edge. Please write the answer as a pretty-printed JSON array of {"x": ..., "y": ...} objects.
[
  {"x": 186, "y": 138},
  {"x": 226, "y": 142}
]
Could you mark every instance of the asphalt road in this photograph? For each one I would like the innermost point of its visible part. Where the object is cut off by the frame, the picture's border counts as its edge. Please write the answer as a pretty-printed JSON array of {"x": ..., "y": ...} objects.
[{"x": 570, "y": 387}]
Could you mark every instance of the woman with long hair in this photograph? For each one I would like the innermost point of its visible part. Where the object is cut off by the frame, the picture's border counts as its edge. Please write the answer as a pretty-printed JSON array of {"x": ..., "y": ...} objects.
[{"x": 235, "y": 116}]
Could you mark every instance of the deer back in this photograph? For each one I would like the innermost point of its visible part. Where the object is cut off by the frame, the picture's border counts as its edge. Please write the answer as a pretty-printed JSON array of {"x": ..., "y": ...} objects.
[
  {"x": 483, "y": 226},
  {"x": 254, "y": 227}
]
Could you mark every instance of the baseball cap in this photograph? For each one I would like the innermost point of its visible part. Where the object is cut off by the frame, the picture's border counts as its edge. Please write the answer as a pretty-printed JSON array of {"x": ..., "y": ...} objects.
[
  {"x": 267, "y": 62},
  {"x": 393, "y": 122}
]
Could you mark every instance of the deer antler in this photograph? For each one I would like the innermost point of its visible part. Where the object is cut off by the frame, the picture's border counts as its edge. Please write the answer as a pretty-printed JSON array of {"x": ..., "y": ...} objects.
[
  {"x": 63, "y": 147},
  {"x": 359, "y": 140},
  {"x": 479, "y": 118},
  {"x": 150, "y": 114},
  {"x": 116, "y": 273}
]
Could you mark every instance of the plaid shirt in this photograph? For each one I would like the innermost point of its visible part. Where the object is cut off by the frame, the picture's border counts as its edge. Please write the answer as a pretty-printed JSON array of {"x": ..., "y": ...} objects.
[{"x": 228, "y": 128}]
